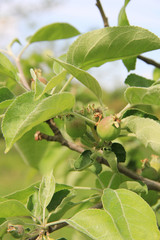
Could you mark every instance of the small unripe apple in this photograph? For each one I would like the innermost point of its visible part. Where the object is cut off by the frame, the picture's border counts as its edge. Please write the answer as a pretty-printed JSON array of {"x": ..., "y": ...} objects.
[
  {"x": 108, "y": 128},
  {"x": 75, "y": 127}
]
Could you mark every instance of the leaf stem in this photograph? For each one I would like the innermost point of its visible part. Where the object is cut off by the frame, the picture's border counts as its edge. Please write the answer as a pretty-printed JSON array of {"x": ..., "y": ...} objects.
[
  {"x": 66, "y": 84},
  {"x": 83, "y": 117},
  {"x": 88, "y": 188},
  {"x": 22, "y": 77},
  {"x": 23, "y": 49},
  {"x": 124, "y": 109},
  {"x": 55, "y": 223}
]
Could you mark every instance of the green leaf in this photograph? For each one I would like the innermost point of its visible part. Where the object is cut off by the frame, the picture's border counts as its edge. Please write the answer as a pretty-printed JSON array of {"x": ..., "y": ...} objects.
[
  {"x": 24, "y": 194},
  {"x": 132, "y": 216},
  {"x": 58, "y": 68},
  {"x": 25, "y": 113},
  {"x": 156, "y": 74},
  {"x": 63, "y": 207},
  {"x": 84, "y": 77},
  {"x": 39, "y": 88},
  {"x": 3, "y": 228},
  {"x": 137, "y": 187},
  {"x": 94, "y": 48},
  {"x": 53, "y": 82},
  {"x": 122, "y": 18},
  {"x": 95, "y": 223},
  {"x": 111, "y": 159},
  {"x": 96, "y": 168},
  {"x": 60, "y": 187},
  {"x": 34, "y": 205},
  {"x": 139, "y": 113},
  {"x": 46, "y": 190},
  {"x": 141, "y": 95},
  {"x": 146, "y": 130},
  {"x": 53, "y": 32},
  {"x": 138, "y": 81},
  {"x": 130, "y": 63},
  {"x": 111, "y": 179},
  {"x": 57, "y": 199},
  {"x": 83, "y": 161},
  {"x": 7, "y": 68},
  {"x": 119, "y": 151},
  {"x": 6, "y": 97},
  {"x": 13, "y": 208},
  {"x": 42, "y": 149},
  {"x": 151, "y": 198}
]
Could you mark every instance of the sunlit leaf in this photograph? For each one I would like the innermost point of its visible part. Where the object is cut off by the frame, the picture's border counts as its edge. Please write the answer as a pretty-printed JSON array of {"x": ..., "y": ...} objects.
[
  {"x": 132, "y": 216},
  {"x": 141, "y": 95},
  {"x": 13, "y": 208},
  {"x": 53, "y": 82},
  {"x": 84, "y": 77},
  {"x": 25, "y": 113},
  {"x": 7, "y": 68},
  {"x": 96, "y": 47},
  {"x": 146, "y": 130},
  {"x": 24, "y": 194},
  {"x": 53, "y": 32},
  {"x": 95, "y": 223},
  {"x": 122, "y": 18}
]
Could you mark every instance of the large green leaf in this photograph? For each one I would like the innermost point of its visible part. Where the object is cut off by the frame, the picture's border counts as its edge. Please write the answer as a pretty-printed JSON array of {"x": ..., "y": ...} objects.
[
  {"x": 13, "y": 208},
  {"x": 142, "y": 95},
  {"x": 47, "y": 188},
  {"x": 146, "y": 130},
  {"x": 53, "y": 32},
  {"x": 6, "y": 67},
  {"x": 138, "y": 81},
  {"x": 25, "y": 113},
  {"x": 84, "y": 77},
  {"x": 108, "y": 44},
  {"x": 95, "y": 223},
  {"x": 132, "y": 216}
]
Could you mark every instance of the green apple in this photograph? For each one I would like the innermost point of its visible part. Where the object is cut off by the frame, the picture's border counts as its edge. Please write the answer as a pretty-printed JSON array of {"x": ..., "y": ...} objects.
[
  {"x": 75, "y": 127},
  {"x": 108, "y": 128}
]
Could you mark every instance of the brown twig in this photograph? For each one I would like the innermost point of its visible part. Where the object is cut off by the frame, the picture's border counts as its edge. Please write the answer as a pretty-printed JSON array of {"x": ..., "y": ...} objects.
[
  {"x": 58, "y": 137},
  {"x": 106, "y": 24},
  {"x": 105, "y": 19},
  {"x": 152, "y": 185},
  {"x": 149, "y": 61}
]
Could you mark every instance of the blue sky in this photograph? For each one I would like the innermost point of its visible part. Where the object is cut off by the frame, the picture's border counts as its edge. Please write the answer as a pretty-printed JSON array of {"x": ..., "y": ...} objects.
[{"x": 84, "y": 15}]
